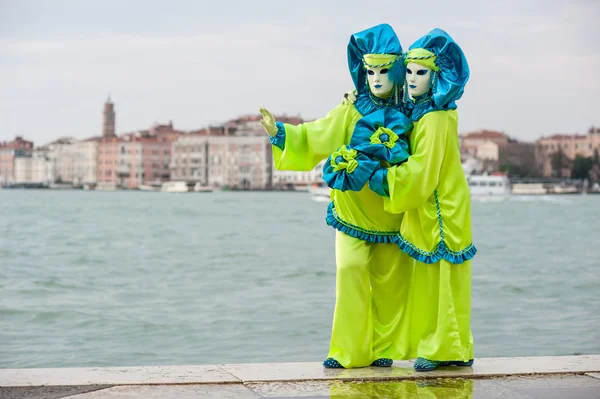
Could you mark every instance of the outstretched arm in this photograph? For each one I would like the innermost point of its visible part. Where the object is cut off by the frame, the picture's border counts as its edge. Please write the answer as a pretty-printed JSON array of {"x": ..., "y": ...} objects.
[{"x": 302, "y": 147}]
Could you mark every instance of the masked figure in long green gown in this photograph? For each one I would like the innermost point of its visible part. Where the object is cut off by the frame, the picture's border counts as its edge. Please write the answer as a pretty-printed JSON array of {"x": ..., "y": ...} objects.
[{"x": 431, "y": 192}]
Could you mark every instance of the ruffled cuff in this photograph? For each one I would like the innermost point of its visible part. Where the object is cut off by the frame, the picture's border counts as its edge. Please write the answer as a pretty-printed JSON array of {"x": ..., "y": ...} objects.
[
  {"x": 279, "y": 139},
  {"x": 378, "y": 183},
  {"x": 347, "y": 169}
]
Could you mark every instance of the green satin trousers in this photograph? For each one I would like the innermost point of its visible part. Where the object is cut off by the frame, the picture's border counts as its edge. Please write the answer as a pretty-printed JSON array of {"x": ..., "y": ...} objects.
[{"x": 390, "y": 306}]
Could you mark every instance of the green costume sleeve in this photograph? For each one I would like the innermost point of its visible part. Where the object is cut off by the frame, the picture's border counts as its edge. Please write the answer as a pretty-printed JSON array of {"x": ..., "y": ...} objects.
[
  {"x": 413, "y": 182},
  {"x": 309, "y": 143}
]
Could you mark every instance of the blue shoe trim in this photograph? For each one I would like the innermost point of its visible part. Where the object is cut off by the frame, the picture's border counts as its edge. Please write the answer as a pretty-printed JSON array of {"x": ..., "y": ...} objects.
[
  {"x": 331, "y": 363},
  {"x": 383, "y": 362},
  {"x": 422, "y": 364},
  {"x": 458, "y": 363},
  {"x": 461, "y": 363}
]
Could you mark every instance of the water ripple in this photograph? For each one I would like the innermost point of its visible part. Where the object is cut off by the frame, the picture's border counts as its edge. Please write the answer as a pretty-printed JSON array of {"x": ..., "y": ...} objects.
[{"x": 125, "y": 278}]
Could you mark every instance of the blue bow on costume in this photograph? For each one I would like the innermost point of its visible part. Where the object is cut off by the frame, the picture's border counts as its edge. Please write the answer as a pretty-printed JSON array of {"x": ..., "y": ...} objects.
[
  {"x": 383, "y": 135},
  {"x": 347, "y": 169}
]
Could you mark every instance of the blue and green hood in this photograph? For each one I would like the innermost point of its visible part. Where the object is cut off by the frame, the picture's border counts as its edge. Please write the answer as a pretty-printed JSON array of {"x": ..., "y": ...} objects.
[{"x": 450, "y": 79}]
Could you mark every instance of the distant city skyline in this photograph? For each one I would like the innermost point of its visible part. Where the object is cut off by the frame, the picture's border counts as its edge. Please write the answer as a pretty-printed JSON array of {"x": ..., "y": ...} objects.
[{"x": 533, "y": 64}]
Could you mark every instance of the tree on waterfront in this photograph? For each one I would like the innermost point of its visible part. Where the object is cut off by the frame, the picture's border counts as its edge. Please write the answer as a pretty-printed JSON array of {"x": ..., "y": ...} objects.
[
  {"x": 595, "y": 169},
  {"x": 559, "y": 162},
  {"x": 513, "y": 170},
  {"x": 581, "y": 167}
]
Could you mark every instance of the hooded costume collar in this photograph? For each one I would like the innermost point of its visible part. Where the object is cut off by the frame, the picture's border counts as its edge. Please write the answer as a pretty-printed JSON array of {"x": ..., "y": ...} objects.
[
  {"x": 449, "y": 80},
  {"x": 379, "y": 39}
]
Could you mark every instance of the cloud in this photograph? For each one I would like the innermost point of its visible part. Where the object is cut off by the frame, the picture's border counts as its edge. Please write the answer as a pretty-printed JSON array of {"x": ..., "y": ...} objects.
[{"x": 533, "y": 70}]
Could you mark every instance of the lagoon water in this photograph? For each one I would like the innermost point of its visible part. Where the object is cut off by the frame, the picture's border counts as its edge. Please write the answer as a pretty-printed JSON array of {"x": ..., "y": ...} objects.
[{"x": 138, "y": 278}]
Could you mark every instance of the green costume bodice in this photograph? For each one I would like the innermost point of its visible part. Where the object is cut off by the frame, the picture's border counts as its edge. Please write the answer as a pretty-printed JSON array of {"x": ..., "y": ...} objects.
[
  {"x": 433, "y": 193},
  {"x": 357, "y": 213}
]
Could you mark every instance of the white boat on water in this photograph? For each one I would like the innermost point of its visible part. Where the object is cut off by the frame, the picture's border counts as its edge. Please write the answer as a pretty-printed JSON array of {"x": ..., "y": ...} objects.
[
  {"x": 529, "y": 189},
  {"x": 563, "y": 189},
  {"x": 175, "y": 187},
  {"x": 198, "y": 188},
  {"x": 489, "y": 186},
  {"x": 149, "y": 187},
  {"x": 184, "y": 187}
]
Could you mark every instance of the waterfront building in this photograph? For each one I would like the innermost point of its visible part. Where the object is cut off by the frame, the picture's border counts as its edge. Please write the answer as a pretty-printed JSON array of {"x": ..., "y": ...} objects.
[
  {"x": 8, "y": 152},
  {"x": 563, "y": 148},
  {"x": 130, "y": 167},
  {"x": 482, "y": 145},
  {"x": 23, "y": 169},
  {"x": 60, "y": 158},
  {"x": 190, "y": 156},
  {"x": 33, "y": 168},
  {"x": 237, "y": 156},
  {"x": 85, "y": 161},
  {"x": 239, "y": 162},
  {"x": 133, "y": 159},
  {"x": 298, "y": 180},
  {"x": 108, "y": 159},
  {"x": 249, "y": 125},
  {"x": 143, "y": 157},
  {"x": 156, "y": 151},
  {"x": 212, "y": 158}
]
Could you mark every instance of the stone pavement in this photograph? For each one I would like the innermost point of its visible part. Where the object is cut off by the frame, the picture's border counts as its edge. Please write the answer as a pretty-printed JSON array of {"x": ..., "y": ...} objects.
[{"x": 538, "y": 377}]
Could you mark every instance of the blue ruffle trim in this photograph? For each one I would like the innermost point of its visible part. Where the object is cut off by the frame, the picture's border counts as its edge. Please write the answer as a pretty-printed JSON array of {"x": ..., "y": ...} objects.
[
  {"x": 441, "y": 252},
  {"x": 334, "y": 221},
  {"x": 279, "y": 139}
]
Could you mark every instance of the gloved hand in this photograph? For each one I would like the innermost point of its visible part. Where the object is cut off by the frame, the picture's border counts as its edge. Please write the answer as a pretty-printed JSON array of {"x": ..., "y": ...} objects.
[
  {"x": 350, "y": 97},
  {"x": 268, "y": 122}
]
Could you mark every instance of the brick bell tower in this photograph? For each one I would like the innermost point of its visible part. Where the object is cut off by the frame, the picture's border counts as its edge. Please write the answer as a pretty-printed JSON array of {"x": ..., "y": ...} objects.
[{"x": 108, "y": 119}]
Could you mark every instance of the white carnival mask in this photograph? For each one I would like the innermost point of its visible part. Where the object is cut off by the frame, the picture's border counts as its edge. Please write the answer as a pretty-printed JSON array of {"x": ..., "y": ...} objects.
[
  {"x": 417, "y": 79},
  {"x": 379, "y": 81}
]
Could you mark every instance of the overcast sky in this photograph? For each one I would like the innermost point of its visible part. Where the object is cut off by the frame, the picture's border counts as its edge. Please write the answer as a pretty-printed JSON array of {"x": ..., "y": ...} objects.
[{"x": 534, "y": 64}]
